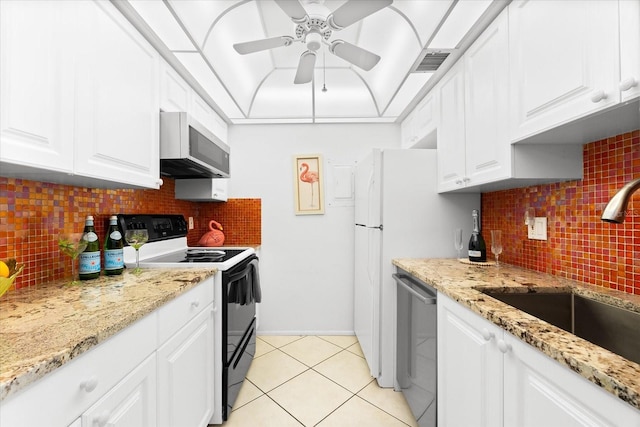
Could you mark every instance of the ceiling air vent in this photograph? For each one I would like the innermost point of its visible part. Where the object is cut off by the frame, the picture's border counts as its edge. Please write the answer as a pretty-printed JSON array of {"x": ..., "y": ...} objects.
[{"x": 431, "y": 60}]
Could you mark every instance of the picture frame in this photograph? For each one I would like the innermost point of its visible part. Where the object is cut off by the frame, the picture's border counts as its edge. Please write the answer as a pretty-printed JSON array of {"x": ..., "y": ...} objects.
[{"x": 308, "y": 184}]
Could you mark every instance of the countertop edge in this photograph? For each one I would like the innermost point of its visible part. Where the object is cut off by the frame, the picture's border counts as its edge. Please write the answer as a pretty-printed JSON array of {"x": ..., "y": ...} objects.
[
  {"x": 31, "y": 370},
  {"x": 601, "y": 374}
]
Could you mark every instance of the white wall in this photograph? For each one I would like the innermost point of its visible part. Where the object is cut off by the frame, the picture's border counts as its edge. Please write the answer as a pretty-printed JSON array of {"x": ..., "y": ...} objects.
[{"x": 306, "y": 261}]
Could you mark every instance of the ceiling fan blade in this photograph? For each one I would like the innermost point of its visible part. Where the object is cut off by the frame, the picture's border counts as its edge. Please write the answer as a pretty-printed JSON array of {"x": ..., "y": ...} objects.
[
  {"x": 305, "y": 67},
  {"x": 258, "y": 45},
  {"x": 353, "y": 11},
  {"x": 354, "y": 54},
  {"x": 294, "y": 9}
]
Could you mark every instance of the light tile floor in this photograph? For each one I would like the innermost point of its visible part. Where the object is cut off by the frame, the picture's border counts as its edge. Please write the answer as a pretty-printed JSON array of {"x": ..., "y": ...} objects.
[{"x": 314, "y": 381}]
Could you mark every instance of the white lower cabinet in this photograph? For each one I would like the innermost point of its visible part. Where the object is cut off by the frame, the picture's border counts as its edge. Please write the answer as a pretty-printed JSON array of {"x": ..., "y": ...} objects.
[
  {"x": 160, "y": 371},
  {"x": 131, "y": 403},
  {"x": 185, "y": 374},
  {"x": 487, "y": 377}
]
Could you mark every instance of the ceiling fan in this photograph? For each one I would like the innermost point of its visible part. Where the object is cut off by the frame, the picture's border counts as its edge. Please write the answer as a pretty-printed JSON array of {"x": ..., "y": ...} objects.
[{"x": 315, "y": 28}]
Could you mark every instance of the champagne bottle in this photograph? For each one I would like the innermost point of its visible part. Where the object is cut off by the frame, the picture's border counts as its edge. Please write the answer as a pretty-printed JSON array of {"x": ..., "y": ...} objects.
[
  {"x": 113, "y": 253},
  {"x": 477, "y": 246},
  {"x": 90, "y": 257}
]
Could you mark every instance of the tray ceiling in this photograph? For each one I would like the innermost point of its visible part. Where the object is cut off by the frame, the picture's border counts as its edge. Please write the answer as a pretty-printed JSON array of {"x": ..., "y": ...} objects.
[{"x": 259, "y": 88}]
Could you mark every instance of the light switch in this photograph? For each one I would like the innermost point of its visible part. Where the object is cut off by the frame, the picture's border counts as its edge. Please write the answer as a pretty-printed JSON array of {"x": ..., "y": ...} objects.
[
  {"x": 539, "y": 229},
  {"x": 190, "y": 223}
]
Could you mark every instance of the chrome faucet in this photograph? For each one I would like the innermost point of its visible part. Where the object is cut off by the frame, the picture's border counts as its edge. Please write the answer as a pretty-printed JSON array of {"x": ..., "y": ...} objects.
[{"x": 616, "y": 209}]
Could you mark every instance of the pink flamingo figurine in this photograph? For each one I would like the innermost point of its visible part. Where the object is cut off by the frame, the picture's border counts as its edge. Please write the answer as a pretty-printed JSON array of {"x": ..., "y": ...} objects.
[{"x": 308, "y": 176}]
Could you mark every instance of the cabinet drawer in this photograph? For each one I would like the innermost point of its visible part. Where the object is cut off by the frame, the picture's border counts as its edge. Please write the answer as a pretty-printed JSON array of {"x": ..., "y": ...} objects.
[
  {"x": 64, "y": 394},
  {"x": 181, "y": 310}
]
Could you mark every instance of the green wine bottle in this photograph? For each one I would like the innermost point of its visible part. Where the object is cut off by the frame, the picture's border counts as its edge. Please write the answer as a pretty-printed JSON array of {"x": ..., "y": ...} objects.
[
  {"x": 90, "y": 257},
  {"x": 113, "y": 253}
]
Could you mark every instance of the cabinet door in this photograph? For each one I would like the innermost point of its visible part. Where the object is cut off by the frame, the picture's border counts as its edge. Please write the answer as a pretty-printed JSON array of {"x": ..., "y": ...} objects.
[
  {"x": 117, "y": 110},
  {"x": 131, "y": 403},
  {"x": 488, "y": 149},
  {"x": 451, "y": 134},
  {"x": 469, "y": 368},
  {"x": 36, "y": 75},
  {"x": 564, "y": 62},
  {"x": 175, "y": 93},
  {"x": 629, "y": 49},
  {"x": 407, "y": 128},
  {"x": 203, "y": 113},
  {"x": 538, "y": 391},
  {"x": 185, "y": 374}
]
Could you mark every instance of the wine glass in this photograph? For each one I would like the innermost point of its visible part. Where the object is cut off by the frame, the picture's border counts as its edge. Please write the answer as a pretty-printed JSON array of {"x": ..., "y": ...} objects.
[
  {"x": 457, "y": 240},
  {"x": 72, "y": 245},
  {"x": 135, "y": 239},
  {"x": 496, "y": 244}
]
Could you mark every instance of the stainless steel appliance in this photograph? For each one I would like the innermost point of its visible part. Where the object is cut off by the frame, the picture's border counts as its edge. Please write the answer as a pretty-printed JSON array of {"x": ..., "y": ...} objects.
[
  {"x": 190, "y": 150},
  {"x": 237, "y": 290},
  {"x": 416, "y": 363}
]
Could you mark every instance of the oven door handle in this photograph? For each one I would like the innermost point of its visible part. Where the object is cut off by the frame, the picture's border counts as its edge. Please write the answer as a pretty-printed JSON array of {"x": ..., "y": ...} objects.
[{"x": 404, "y": 281}]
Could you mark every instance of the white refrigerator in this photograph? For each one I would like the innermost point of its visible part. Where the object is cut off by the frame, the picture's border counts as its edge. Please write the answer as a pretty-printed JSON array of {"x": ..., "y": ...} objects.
[{"x": 398, "y": 214}]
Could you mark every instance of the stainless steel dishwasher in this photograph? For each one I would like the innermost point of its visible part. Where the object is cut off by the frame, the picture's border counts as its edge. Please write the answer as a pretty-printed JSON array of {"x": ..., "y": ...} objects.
[{"x": 416, "y": 366}]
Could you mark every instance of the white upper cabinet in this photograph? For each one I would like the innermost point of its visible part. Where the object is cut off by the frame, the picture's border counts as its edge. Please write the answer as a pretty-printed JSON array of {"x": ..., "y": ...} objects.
[
  {"x": 419, "y": 128},
  {"x": 486, "y": 72},
  {"x": 117, "y": 110},
  {"x": 79, "y": 96},
  {"x": 564, "y": 61},
  {"x": 451, "y": 133},
  {"x": 629, "y": 49},
  {"x": 176, "y": 95},
  {"x": 37, "y": 77}
]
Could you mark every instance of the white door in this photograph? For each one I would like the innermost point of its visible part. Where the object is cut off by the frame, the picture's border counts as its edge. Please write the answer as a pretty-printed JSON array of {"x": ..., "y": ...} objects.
[{"x": 367, "y": 294}]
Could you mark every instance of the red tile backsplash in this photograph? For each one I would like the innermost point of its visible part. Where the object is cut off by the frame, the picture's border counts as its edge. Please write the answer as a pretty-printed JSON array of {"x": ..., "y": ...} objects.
[
  {"x": 580, "y": 246},
  {"x": 33, "y": 214}
]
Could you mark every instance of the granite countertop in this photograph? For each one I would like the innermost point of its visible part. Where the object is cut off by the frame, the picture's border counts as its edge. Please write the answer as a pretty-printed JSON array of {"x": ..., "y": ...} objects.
[
  {"x": 44, "y": 327},
  {"x": 459, "y": 281}
]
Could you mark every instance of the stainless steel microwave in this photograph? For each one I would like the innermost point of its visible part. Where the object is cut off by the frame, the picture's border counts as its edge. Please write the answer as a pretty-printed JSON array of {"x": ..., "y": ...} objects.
[{"x": 189, "y": 150}]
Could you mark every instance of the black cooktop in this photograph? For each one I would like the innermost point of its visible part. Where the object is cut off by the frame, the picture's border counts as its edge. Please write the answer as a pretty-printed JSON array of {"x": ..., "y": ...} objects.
[{"x": 209, "y": 255}]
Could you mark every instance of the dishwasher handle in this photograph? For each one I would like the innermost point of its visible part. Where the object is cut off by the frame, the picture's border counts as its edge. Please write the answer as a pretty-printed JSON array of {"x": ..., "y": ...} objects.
[{"x": 404, "y": 281}]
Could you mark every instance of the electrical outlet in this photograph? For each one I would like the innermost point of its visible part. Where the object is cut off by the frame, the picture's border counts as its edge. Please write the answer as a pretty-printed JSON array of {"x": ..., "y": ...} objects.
[
  {"x": 539, "y": 229},
  {"x": 190, "y": 223}
]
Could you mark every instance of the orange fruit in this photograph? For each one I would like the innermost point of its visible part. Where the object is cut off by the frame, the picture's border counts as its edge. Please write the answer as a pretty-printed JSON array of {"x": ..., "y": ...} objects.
[{"x": 4, "y": 269}]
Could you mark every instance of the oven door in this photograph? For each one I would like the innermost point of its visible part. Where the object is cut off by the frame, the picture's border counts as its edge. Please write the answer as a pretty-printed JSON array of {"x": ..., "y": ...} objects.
[{"x": 238, "y": 328}]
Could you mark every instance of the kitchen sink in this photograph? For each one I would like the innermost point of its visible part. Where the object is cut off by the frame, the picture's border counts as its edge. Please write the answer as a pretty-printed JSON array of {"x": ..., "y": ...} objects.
[{"x": 614, "y": 328}]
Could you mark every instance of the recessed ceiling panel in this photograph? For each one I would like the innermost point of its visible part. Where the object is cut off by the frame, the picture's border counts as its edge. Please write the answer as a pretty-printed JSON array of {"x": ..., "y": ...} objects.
[
  {"x": 278, "y": 97},
  {"x": 199, "y": 15},
  {"x": 397, "y": 49},
  {"x": 347, "y": 94},
  {"x": 424, "y": 15},
  {"x": 241, "y": 74}
]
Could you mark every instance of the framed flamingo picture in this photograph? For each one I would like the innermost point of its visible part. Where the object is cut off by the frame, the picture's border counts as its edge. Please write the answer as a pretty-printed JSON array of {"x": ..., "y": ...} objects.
[{"x": 309, "y": 196}]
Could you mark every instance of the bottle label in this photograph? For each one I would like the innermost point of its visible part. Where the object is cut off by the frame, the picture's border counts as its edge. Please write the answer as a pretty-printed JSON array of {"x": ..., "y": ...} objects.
[
  {"x": 475, "y": 254},
  {"x": 113, "y": 259},
  {"x": 115, "y": 235},
  {"x": 90, "y": 236},
  {"x": 89, "y": 262}
]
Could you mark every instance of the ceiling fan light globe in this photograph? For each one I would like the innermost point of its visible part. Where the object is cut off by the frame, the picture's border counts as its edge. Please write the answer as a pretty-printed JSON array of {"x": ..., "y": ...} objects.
[{"x": 314, "y": 41}]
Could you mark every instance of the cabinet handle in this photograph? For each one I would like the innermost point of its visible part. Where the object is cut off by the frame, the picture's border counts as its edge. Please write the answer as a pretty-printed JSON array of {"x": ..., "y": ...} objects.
[
  {"x": 215, "y": 309},
  {"x": 459, "y": 181},
  {"x": 102, "y": 419},
  {"x": 598, "y": 96},
  {"x": 160, "y": 182},
  {"x": 486, "y": 334},
  {"x": 627, "y": 84},
  {"x": 503, "y": 346},
  {"x": 89, "y": 384},
  {"x": 195, "y": 304}
]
